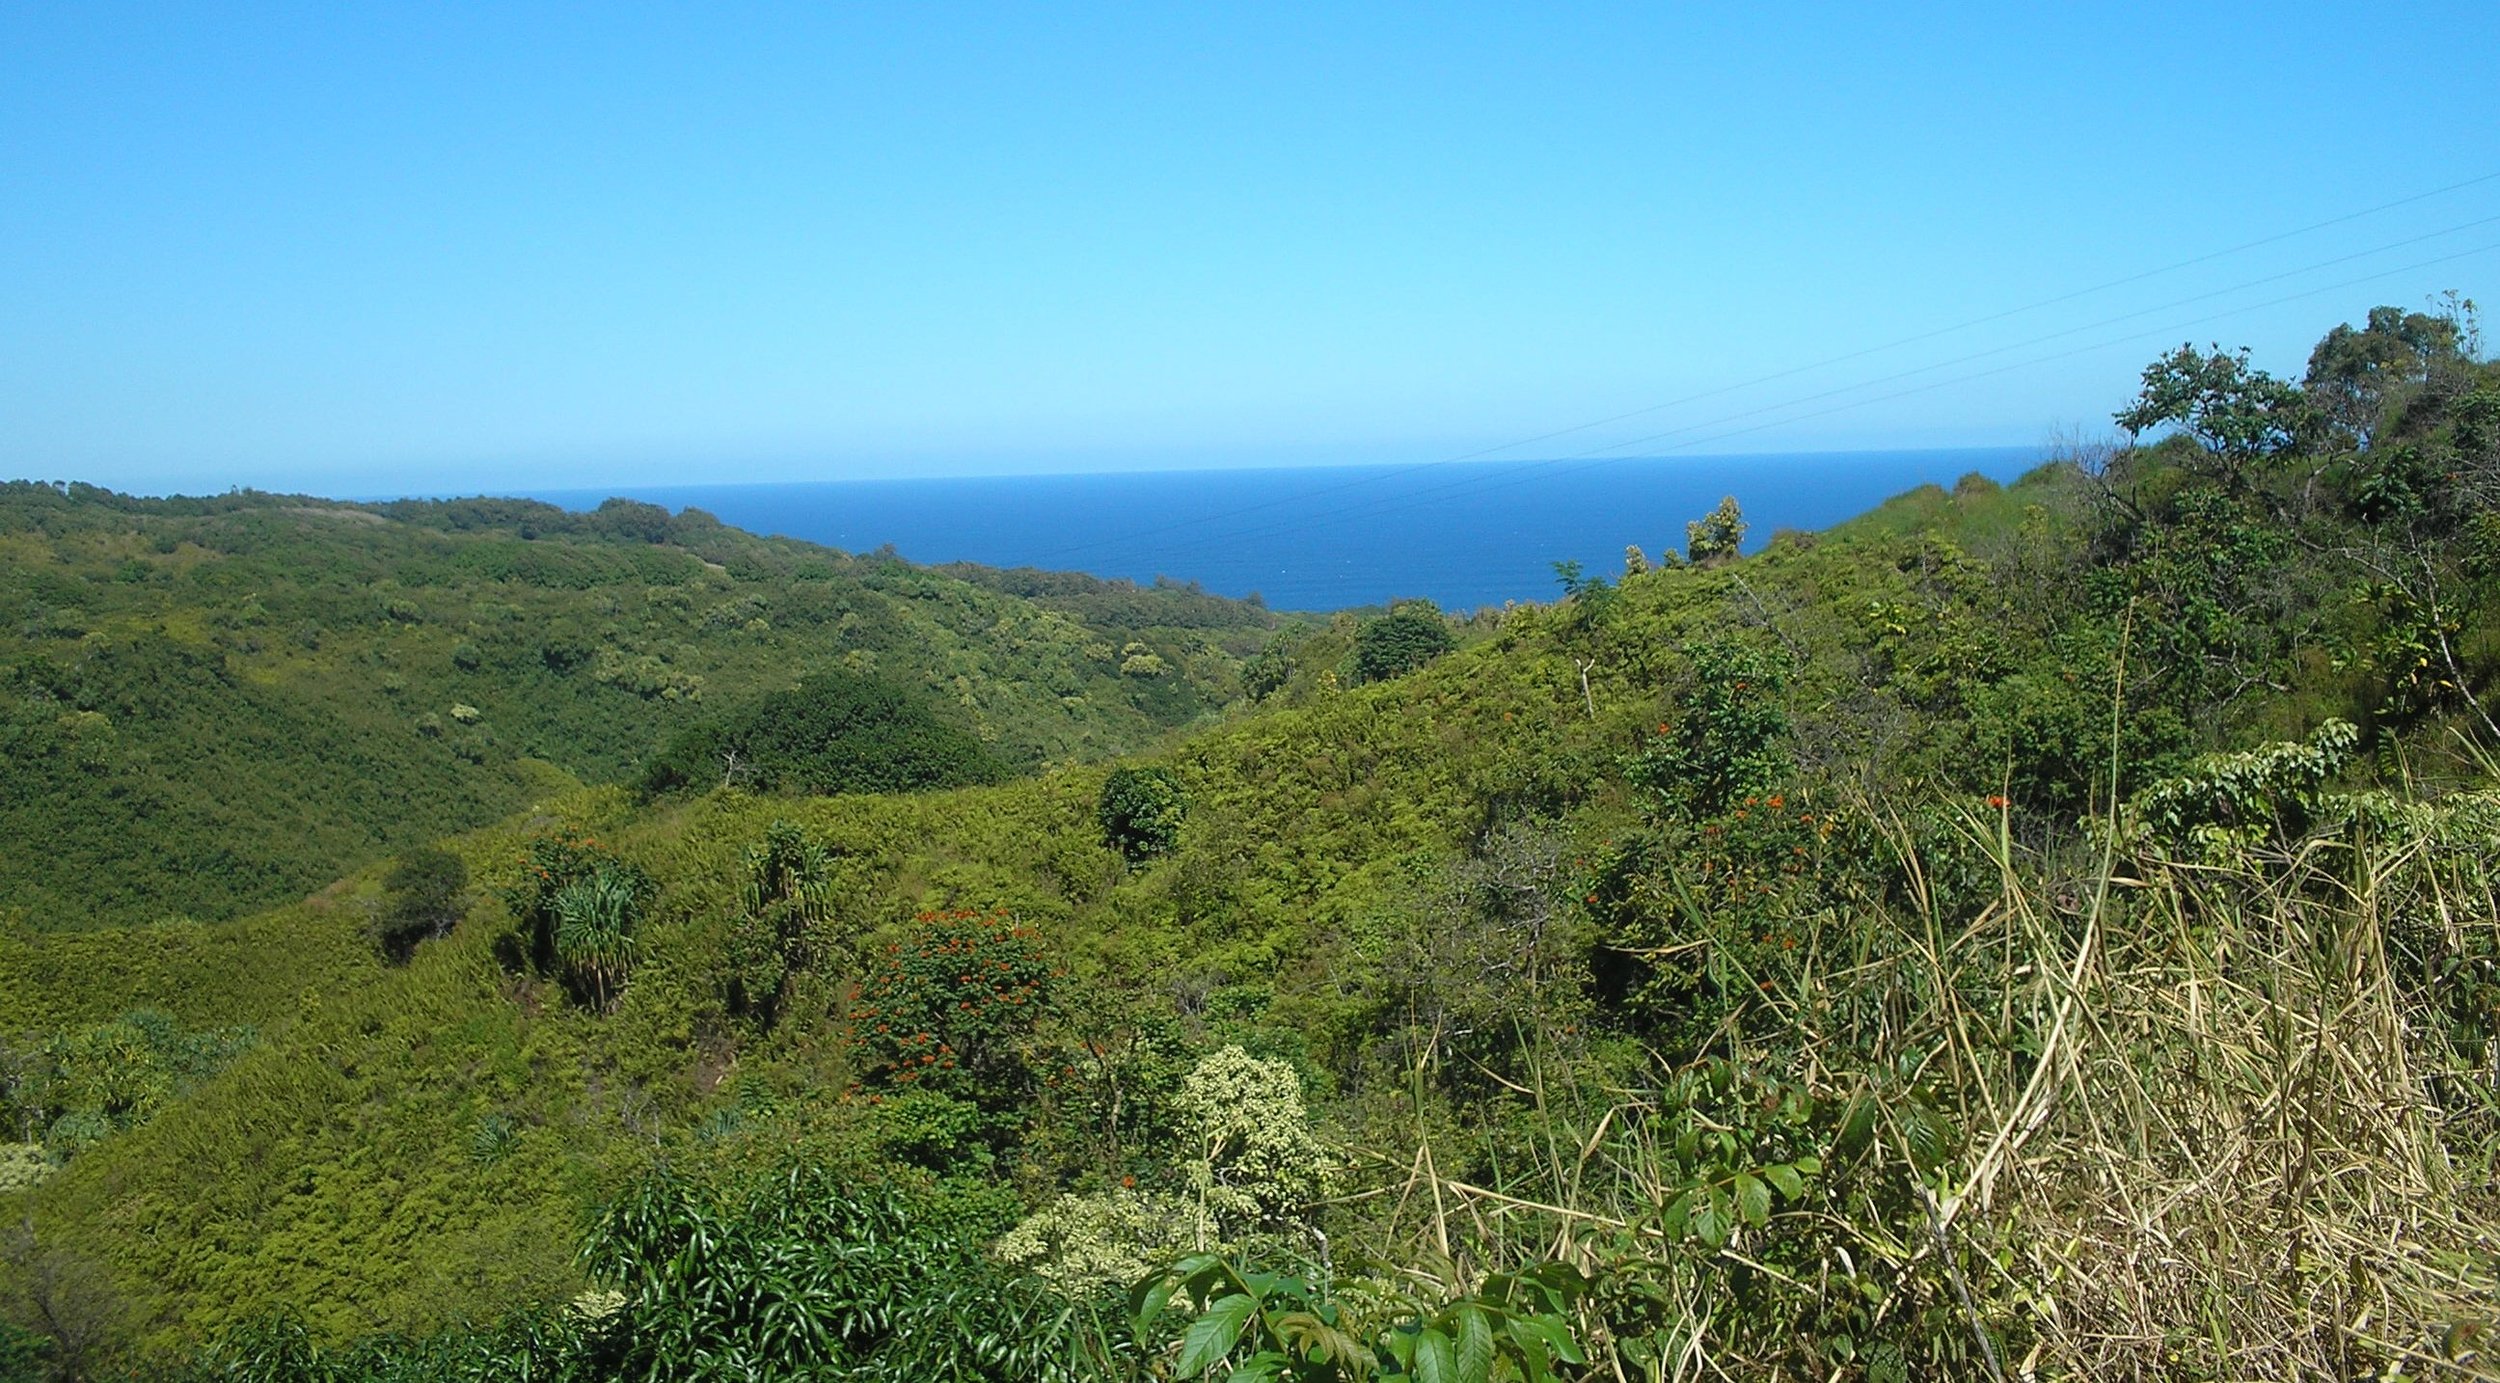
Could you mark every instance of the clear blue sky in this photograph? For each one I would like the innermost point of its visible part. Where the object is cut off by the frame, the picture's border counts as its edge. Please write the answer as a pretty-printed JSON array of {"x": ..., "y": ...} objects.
[{"x": 361, "y": 248}]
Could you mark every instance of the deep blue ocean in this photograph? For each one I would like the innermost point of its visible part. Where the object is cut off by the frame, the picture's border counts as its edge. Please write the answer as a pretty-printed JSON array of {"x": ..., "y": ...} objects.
[{"x": 1323, "y": 538}]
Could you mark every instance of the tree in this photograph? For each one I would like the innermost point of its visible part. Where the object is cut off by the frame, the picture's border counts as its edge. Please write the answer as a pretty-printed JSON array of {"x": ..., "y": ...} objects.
[
  {"x": 595, "y": 917},
  {"x": 2354, "y": 374},
  {"x": 785, "y": 899},
  {"x": 1397, "y": 643},
  {"x": 835, "y": 732},
  {"x": 632, "y": 520},
  {"x": 424, "y": 901},
  {"x": 1269, "y": 670},
  {"x": 1717, "y": 536},
  {"x": 577, "y": 906},
  {"x": 952, "y": 1006},
  {"x": 2240, "y": 417},
  {"x": 1141, "y": 811},
  {"x": 1727, "y": 735}
]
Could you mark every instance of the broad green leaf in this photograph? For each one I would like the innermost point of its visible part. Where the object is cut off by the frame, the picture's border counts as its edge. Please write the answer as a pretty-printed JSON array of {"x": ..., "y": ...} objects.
[
  {"x": 1528, "y": 1342},
  {"x": 1678, "y": 1215},
  {"x": 1260, "y": 1367},
  {"x": 1146, "y": 1304},
  {"x": 1753, "y": 1200},
  {"x": 1713, "y": 1217},
  {"x": 1435, "y": 1361},
  {"x": 1927, "y": 1132},
  {"x": 1785, "y": 1180},
  {"x": 1474, "y": 1355},
  {"x": 1213, "y": 1335}
]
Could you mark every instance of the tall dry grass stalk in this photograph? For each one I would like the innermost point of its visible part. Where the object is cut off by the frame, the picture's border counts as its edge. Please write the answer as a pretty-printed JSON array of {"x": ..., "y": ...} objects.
[{"x": 2217, "y": 1120}]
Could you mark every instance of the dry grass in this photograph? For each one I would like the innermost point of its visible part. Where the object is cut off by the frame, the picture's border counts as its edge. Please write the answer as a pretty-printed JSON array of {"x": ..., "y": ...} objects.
[{"x": 2217, "y": 1122}]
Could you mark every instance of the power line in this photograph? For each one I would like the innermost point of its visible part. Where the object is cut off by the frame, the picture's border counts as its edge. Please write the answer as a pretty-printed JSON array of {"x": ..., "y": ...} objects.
[
  {"x": 1862, "y": 353},
  {"x": 2092, "y": 326},
  {"x": 1464, "y": 484},
  {"x": 1547, "y": 469},
  {"x": 1382, "y": 477}
]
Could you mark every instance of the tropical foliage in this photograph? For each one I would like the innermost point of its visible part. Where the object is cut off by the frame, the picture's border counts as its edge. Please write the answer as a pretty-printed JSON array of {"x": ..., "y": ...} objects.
[
  {"x": 220, "y": 704},
  {"x": 2031, "y": 931}
]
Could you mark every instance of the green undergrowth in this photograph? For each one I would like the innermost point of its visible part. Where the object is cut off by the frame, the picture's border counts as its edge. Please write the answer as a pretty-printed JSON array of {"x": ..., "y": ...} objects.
[
  {"x": 213, "y": 705},
  {"x": 2040, "y": 930}
]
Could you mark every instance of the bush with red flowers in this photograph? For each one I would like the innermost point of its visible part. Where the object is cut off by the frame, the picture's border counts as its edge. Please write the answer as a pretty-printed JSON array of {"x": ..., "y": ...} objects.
[{"x": 952, "y": 1008}]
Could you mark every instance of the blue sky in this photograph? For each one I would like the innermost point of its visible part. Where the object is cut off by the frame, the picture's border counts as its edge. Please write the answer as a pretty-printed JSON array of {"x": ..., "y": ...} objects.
[{"x": 373, "y": 248}]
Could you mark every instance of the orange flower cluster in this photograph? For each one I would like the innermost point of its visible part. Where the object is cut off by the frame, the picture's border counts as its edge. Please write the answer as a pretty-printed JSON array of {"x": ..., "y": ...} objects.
[{"x": 950, "y": 996}]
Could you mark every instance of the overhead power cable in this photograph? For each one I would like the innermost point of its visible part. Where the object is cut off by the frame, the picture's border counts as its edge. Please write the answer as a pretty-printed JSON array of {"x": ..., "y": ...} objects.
[
  {"x": 1529, "y": 472},
  {"x": 1382, "y": 477},
  {"x": 1302, "y": 499}
]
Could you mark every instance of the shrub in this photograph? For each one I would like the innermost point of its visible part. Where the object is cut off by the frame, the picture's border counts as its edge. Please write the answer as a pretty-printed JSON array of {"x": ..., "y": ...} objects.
[
  {"x": 1724, "y": 738},
  {"x": 1141, "y": 811},
  {"x": 86, "y": 1084},
  {"x": 1086, "y": 1244},
  {"x": 576, "y": 906},
  {"x": 952, "y": 1006},
  {"x": 2225, "y": 802},
  {"x": 835, "y": 732},
  {"x": 1717, "y": 536},
  {"x": 810, "y": 1274},
  {"x": 785, "y": 898},
  {"x": 1268, "y": 670},
  {"x": 25, "y": 1357},
  {"x": 424, "y": 900},
  {"x": 21, "y": 1166},
  {"x": 1253, "y": 1159},
  {"x": 1399, "y": 642}
]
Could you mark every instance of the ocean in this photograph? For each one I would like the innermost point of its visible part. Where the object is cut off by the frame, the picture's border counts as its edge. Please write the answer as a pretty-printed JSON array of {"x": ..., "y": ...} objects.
[{"x": 1325, "y": 538}]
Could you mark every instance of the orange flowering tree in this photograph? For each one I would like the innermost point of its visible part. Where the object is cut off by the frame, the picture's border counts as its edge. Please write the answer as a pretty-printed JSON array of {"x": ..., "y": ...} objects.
[
  {"x": 1709, "y": 910},
  {"x": 1725, "y": 737},
  {"x": 952, "y": 1008}
]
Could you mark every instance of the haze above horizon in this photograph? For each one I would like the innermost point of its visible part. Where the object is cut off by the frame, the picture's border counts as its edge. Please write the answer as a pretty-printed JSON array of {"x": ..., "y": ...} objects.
[{"x": 462, "y": 247}]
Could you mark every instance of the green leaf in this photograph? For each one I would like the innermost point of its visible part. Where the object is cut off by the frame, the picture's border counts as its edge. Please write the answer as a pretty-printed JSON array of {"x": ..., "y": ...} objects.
[
  {"x": 1785, "y": 1180},
  {"x": 1146, "y": 1304},
  {"x": 1753, "y": 1200},
  {"x": 1260, "y": 1367},
  {"x": 1535, "y": 1352},
  {"x": 1927, "y": 1132},
  {"x": 1213, "y": 1335},
  {"x": 1475, "y": 1345},
  {"x": 1678, "y": 1215},
  {"x": 1710, "y": 1217},
  {"x": 1434, "y": 1360},
  {"x": 1857, "y": 1124}
]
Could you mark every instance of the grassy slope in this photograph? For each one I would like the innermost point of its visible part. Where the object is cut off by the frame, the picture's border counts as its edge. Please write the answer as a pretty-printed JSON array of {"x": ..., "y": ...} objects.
[
  {"x": 335, "y": 1166},
  {"x": 211, "y": 706}
]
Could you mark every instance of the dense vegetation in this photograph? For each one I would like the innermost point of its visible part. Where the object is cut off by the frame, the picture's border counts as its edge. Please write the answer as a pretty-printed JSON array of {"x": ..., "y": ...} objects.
[
  {"x": 2041, "y": 931},
  {"x": 834, "y": 732},
  {"x": 213, "y": 705}
]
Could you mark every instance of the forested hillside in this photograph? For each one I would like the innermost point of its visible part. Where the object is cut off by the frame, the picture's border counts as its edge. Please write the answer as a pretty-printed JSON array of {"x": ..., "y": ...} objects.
[
  {"x": 212, "y": 705},
  {"x": 2032, "y": 931}
]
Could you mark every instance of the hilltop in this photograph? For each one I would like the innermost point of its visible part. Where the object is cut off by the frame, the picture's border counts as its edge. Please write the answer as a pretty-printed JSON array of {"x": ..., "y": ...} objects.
[{"x": 213, "y": 705}]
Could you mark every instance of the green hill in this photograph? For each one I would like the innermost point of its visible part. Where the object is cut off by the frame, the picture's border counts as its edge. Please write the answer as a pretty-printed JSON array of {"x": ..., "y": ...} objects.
[
  {"x": 212, "y": 705},
  {"x": 2043, "y": 930}
]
